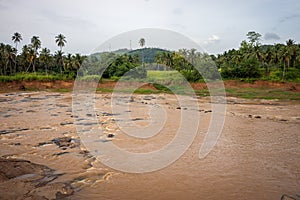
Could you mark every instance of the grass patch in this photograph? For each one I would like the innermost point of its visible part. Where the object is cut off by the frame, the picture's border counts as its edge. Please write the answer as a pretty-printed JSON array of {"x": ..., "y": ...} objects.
[
  {"x": 146, "y": 91},
  {"x": 202, "y": 93},
  {"x": 91, "y": 78},
  {"x": 163, "y": 76},
  {"x": 255, "y": 93},
  {"x": 162, "y": 88},
  {"x": 34, "y": 77},
  {"x": 263, "y": 93},
  {"x": 137, "y": 91},
  {"x": 62, "y": 90}
]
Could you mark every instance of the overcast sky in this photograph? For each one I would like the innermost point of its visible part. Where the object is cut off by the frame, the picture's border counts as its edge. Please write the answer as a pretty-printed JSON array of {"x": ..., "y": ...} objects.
[{"x": 216, "y": 25}]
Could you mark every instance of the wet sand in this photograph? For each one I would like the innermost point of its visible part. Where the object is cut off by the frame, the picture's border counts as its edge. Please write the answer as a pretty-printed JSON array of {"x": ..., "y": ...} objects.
[{"x": 256, "y": 157}]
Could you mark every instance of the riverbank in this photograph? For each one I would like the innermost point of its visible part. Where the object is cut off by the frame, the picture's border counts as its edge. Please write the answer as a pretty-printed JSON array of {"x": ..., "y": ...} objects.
[{"x": 234, "y": 88}]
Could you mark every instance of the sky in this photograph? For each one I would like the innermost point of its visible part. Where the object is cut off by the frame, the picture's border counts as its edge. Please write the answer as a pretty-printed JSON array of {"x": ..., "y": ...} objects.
[{"x": 215, "y": 25}]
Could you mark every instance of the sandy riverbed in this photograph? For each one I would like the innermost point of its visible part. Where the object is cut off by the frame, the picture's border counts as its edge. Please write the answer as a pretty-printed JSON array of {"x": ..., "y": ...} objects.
[{"x": 41, "y": 156}]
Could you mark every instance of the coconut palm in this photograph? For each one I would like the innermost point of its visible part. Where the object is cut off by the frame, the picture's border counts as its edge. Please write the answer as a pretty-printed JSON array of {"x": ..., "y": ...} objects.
[
  {"x": 4, "y": 57},
  {"x": 59, "y": 59},
  {"x": 60, "y": 40},
  {"x": 285, "y": 57},
  {"x": 23, "y": 58},
  {"x": 192, "y": 56},
  {"x": 142, "y": 42},
  {"x": 292, "y": 49},
  {"x": 78, "y": 60},
  {"x": 45, "y": 58},
  {"x": 16, "y": 38},
  {"x": 36, "y": 45},
  {"x": 31, "y": 55},
  {"x": 7, "y": 54}
]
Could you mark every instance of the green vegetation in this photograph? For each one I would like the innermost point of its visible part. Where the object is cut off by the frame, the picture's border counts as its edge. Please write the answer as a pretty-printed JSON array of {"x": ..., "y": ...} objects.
[
  {"x": 256, "y": 93},
  {"x": 163, "y": 76},
  {"x": 263, "y": 93},
  {"x": 137, "y": 91},
  {"x": 35, "y": 59},
  {"x": 276, "y": 62},
  {"x": 147, "y": 55},
  {"x": 252, "y": 61},
  {"x": 62, "y": 90},
  {"x": 34, "y": 77}
]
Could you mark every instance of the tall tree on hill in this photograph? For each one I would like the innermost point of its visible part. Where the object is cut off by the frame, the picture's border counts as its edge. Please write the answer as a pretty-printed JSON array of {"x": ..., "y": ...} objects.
[
  {"x": 254, "y": 38},
  {"x": 142, "y": 42}
]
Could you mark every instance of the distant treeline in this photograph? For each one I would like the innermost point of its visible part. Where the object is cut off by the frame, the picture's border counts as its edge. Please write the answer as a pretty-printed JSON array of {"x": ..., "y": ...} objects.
[
  {"x": 34, "y": 58},
  {"x": 253, "y": 61}
]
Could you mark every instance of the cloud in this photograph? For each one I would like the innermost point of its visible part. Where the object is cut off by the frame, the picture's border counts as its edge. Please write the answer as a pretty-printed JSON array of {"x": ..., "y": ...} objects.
[
  {"x": 290, "y": 17},
  {"x": 271, "y": 36},
  {"x": 213, "y": 39},
  {"x": 177, "y": 11}
]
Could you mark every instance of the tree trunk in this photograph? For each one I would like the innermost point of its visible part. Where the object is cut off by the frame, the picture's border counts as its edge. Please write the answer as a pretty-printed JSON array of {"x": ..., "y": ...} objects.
[
  {"x": 283, "y": 71},
  {"x": 33, "y": 66}
]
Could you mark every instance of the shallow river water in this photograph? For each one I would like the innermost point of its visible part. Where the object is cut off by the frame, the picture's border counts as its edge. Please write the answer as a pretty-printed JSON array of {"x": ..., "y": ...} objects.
[{"x": 257, "y": 155}]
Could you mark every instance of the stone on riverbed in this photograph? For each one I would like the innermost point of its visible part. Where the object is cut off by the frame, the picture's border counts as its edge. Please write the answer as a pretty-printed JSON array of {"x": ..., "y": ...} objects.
[
  {"x": 66, "y": 142},
  {"x": 22, "y": 179}
]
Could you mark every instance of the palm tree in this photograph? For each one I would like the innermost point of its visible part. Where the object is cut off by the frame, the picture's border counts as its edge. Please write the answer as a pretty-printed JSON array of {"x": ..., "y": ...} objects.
[
  {"x": 16, "y": 38},
  {"x": 24, "y": 57},
  {"x": 70, "y": 62},
  {"x": 59, "y": 59},
  {"x": 142, "y": 42},
  {"x": 158, "y": 59},
  {"x": 60, "y": 40},
  {"x": 35, "y": 44},
  {"x": 7, "y": 54},
  {"x": 78, "y": 60},
  {"x": 30, "y": 58},
  {"x": 285, "y": 57},
  {"x": 45, "y": 58},
  {"x": 276, "y": 54},
  {"x": 292, "y": 49},
  {"x": 4, "y": 58},
  {"x": 192, "y": 56},
  {"x": 266, "y": 58}
]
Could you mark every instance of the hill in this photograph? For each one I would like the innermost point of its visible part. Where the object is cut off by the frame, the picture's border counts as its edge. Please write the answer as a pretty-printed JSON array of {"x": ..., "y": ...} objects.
[{"x": 147, "y": 54}]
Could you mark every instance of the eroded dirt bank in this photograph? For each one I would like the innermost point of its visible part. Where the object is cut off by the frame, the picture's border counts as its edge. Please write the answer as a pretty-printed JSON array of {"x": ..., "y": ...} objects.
[{"x": 53, "y": 85}]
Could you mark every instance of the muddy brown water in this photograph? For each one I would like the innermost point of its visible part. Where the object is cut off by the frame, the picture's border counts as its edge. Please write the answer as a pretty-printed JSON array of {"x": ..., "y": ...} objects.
[{"x": 257, "y": 155}]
